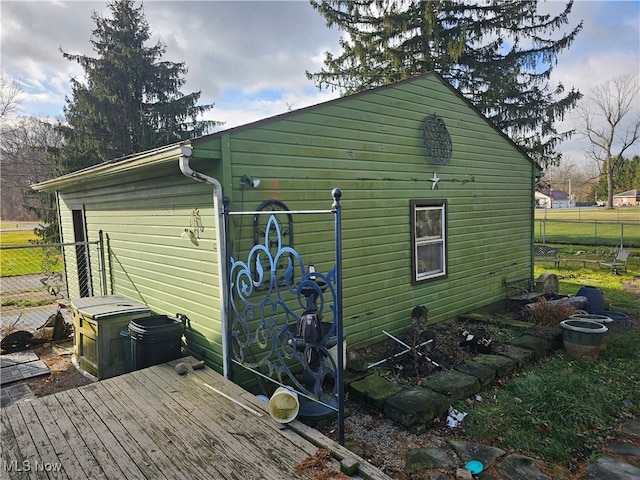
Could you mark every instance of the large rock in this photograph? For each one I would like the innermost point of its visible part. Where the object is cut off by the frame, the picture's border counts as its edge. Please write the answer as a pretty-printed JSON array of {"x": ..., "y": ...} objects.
[
  {"x": 415, "y": 407},
  {"x": 428, "y": 457},
  {"x": 518, "y": 467},
  {"x": 455, "y": 385},
  {"x": 374, "y": 390},
  {"x": 468, "y": 451}
]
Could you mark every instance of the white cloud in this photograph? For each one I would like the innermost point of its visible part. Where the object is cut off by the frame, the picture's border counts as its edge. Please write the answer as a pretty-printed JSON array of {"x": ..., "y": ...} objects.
[{"x": 250, "y": 58}]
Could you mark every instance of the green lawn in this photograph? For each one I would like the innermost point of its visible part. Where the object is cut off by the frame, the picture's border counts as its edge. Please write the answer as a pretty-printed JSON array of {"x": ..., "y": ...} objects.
[
  {"x": 589, "y": 214},
  {"x": 25, "y": 261},
  {"x": 589, "y": 226},
  {"x": 561, "y": 408}
]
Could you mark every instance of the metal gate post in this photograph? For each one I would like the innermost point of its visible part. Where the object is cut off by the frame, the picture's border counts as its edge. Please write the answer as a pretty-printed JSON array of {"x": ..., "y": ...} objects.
[
  {"x": 337, "y": 209},
  {"x": 226, "y": 352}
]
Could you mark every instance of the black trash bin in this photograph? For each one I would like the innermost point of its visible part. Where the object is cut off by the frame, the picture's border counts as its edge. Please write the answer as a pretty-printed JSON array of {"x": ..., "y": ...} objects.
[{"x": 156, "y": 339}]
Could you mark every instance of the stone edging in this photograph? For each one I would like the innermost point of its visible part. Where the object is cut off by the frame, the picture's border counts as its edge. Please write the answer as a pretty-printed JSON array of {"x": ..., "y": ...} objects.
[{"x": 415, "y": 408}]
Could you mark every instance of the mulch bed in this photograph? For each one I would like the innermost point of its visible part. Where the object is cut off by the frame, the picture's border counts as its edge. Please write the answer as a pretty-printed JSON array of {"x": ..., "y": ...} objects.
[{"x": 449, "y": 344}]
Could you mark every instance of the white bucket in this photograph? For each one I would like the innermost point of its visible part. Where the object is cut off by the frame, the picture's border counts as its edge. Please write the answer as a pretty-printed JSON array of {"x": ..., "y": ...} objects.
[{"x": 284, "y": 405}]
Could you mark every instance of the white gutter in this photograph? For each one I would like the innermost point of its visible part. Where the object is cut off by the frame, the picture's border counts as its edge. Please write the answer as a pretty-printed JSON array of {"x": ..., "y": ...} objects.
[{"x": 220, "y": 242}]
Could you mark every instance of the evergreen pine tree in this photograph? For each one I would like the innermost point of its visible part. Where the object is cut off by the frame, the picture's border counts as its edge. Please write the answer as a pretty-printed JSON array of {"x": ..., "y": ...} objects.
[
  {"x": 498, "y": 53},
  {"x": 129, "y": 100}
]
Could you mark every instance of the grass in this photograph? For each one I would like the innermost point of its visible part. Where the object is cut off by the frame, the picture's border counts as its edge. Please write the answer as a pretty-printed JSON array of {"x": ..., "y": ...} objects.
[
  {"x": 589, "y": 214},
  {"x": 16, "y": 238},
  {"x": 25, "y": 261},
  {"x": 588, "y": 226},
  {"x": 562, "y": 408}
]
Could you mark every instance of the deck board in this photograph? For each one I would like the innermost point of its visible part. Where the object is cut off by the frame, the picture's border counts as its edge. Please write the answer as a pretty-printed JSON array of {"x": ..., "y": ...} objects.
[
  {"x": 82, "y": 421},
  {"x": 71, "y": 436},
  {"x": 61, "y": 449},
  {"x": 156, "y": 424}
]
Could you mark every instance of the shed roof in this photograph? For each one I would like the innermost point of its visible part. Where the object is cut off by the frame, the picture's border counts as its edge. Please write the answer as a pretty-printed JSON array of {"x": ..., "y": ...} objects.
[{"x": 172, "y": 151}]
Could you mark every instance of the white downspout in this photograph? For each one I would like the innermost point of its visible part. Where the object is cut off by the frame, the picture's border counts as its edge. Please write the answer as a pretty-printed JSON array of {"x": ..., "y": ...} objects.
[{"x": 220, "y": 241}]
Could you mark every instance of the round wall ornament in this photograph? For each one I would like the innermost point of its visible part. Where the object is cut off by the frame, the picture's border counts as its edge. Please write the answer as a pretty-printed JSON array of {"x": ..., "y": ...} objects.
[{"x": 437, "y": 140}]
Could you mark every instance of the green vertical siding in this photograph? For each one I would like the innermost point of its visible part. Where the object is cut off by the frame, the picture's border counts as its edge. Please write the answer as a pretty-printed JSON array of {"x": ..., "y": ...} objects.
[
  {"x": 142, "y": 220},
  {"x": 371, "y": 146}
]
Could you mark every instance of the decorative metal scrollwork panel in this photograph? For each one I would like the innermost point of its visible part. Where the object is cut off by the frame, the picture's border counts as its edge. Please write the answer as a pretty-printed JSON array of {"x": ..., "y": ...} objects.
[
  {"x": 437, "y": 140},
  {"x": 270, "y": 312},
  {"x": 285, "y": 229}
]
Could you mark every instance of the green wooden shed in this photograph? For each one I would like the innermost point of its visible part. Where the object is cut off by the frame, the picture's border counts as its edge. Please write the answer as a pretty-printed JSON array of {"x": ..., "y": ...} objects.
[{"x": 437, "y": 210}]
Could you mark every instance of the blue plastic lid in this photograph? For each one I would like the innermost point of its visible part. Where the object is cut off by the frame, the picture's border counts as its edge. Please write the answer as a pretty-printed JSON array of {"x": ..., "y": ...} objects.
[{"x": 474, "y": 466}]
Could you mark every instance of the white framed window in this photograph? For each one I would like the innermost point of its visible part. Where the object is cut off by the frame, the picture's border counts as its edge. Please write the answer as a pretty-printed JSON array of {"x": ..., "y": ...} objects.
[{"x": 429, "y": 239}]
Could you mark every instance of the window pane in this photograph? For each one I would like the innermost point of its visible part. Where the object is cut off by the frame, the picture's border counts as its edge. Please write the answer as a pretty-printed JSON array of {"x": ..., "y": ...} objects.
[
  {"x": 429, "y": 259},
  {"x": 428, "y": 223}
]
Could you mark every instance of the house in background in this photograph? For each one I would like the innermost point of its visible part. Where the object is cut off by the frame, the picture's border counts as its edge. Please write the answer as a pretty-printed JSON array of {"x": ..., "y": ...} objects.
[
  {"x": 437, "y": 210},
  {"x": 542, "y": 200},
  {"x": 630, "y": 198},
  {"x": 560, "y": 199}
]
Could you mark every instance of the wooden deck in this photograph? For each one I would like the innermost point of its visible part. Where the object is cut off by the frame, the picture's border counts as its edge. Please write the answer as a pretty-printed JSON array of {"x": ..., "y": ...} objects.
[{"x": 156, "y": 424}]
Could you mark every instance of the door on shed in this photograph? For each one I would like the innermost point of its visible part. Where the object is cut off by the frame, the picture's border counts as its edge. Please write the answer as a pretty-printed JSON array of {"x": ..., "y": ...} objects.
[{"x": 82, "y": 253}]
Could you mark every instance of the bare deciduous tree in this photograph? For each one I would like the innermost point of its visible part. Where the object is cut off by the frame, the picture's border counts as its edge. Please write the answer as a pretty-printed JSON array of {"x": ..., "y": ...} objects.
[
  {"x": 575, "y": 178},
  {"x": 611, "y": 124},
  {"x": 24, "y": 161},
  {"x": 9, "y": 93}
]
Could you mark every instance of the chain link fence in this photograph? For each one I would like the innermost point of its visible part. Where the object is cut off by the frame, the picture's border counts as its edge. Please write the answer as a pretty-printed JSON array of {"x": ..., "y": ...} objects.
[
  {"x": 34, "y": 281},
  {"x": 597, "y": 233}
]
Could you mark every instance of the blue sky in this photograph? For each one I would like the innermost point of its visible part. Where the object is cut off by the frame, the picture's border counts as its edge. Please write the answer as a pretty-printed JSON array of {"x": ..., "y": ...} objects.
[{"x": 250, "y": 57}]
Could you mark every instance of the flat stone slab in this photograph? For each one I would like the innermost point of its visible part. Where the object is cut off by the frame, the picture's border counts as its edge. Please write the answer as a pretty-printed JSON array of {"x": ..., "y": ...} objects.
[
  {"x": 612, "y": 469},
  {"x": 20, "y": 392},
  {"x": 18, "y": 366},
  {"x": 503, "y": 365},
  {"x": 521, "y": 356},
  {"x": 553, "y": 334},
  {"x": 428, "y": 457},
  {"x": 455, "y": 385},
  {"x": 625, "y": 449},
  {"x": 490, "y": 319},
  {"x": 374, "y": 390},
  {"x": 631, "y": 428},
  {"x": 541, "y": 346},
  {"x": 16, "y": 358},
  {"x": 518, "y": 467},
  {"x": 415, "y": 406},
  {"x": 484, "y": 372},
  {"x": 468, "y": 451}
]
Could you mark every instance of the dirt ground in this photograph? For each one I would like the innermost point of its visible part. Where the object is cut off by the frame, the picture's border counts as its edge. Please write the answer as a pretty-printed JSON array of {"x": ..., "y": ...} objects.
[{"x": 64, "y": 375}]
